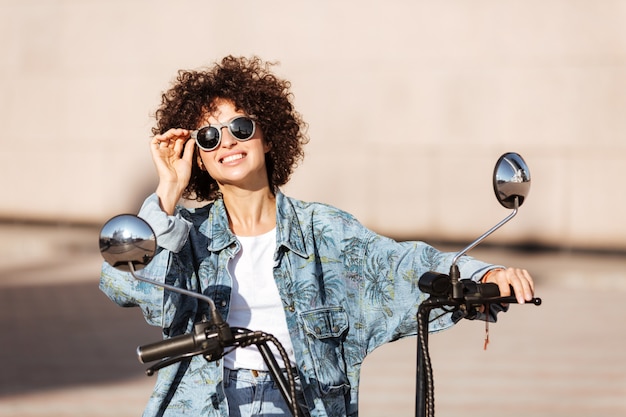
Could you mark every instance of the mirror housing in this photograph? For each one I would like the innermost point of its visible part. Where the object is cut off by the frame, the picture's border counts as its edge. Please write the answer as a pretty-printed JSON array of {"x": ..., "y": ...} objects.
[
  {"x": 511, "y": 180},
  {"x": 127, "y": 239}
]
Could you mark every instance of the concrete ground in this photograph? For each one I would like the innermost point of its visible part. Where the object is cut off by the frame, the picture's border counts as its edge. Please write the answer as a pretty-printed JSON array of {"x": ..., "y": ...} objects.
[{"x": 68, "y": 351}]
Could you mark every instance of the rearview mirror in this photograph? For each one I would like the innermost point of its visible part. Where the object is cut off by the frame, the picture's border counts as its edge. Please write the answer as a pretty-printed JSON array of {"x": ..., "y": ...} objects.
[
  {"x": 127, "y": 239},
  {"x": 511, "y": 180}
]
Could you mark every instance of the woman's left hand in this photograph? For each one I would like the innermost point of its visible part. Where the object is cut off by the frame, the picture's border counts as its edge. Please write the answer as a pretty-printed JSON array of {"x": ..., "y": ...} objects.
[{"x": 519, "y": 279}]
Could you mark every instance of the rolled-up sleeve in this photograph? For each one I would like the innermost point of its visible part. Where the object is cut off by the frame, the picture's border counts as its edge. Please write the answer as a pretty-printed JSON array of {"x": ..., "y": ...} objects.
[{"x": 171, "y": 232}]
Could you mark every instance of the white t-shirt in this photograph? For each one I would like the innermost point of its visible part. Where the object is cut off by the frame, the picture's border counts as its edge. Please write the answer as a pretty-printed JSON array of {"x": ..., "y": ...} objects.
[{"x": 255, "y": 302}]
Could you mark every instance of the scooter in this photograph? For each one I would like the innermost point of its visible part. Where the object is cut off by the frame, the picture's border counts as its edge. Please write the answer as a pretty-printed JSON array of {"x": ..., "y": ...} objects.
[{"x": 128, "y": 243}]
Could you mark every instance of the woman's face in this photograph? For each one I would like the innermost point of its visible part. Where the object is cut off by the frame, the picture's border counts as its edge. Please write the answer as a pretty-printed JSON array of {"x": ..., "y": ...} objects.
[{"x": 235, "y": 163}]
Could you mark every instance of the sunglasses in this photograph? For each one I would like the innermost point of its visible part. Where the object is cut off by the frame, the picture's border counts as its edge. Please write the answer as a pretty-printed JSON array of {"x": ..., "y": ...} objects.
[{"x": 209, "y": 137}]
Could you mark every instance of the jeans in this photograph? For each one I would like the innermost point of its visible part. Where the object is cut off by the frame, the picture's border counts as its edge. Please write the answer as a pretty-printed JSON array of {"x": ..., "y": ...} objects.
[{"x": 254, "y": 393}]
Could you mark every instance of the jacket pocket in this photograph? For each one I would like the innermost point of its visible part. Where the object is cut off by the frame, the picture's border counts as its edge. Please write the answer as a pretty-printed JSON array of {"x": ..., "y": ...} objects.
[{"x": 326, "y": 329}]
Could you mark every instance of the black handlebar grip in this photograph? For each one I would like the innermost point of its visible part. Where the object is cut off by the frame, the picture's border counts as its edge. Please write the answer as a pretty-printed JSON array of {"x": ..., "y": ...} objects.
[
  {"x": 489, "y": 290},
  {"x": 177, "y": 345}
]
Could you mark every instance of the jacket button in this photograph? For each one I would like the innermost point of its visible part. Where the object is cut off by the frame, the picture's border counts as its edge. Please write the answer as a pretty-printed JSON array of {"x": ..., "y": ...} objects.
[
  {"x": 318, "y": 330},
  {"x": 335, "y": 329},
  {"x": 292, "y": 308}
]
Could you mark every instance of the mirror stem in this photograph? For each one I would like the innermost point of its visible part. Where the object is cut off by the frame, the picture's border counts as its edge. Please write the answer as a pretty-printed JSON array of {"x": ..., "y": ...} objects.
[
  {"x": 224, "y": 333},
  {"x": 454, "y": 274},
  {"x": 175, "y": 289}
]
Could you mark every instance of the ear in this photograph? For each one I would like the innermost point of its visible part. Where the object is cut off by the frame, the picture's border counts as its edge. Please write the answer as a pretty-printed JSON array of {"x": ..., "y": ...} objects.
[
  {"x": 266, "y": 146},
  {"x": 200, "y": 163}
]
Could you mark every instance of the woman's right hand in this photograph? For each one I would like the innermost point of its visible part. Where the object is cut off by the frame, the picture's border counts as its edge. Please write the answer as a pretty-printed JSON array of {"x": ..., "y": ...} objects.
[{"x": 172, "y": 154}]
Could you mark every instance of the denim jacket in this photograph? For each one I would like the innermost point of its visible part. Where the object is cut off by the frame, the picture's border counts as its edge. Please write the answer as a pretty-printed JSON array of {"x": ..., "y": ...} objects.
[{"x": 345, "y": 289}]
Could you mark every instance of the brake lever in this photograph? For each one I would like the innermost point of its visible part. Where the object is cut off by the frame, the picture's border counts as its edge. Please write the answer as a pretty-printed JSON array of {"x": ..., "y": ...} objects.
[
  {"x": 511, "y": 299},
  {"x": 170, "y": 361}
]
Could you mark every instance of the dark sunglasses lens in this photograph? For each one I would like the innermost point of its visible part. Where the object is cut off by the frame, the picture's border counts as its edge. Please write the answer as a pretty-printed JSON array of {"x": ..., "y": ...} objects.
[
  {"x": 208, "y": 137},
  {"x": 242, "y": 128}
]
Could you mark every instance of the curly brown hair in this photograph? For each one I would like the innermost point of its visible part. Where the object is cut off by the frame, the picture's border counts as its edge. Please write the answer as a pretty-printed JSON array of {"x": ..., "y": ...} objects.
[{"x": 253, "y": 89}]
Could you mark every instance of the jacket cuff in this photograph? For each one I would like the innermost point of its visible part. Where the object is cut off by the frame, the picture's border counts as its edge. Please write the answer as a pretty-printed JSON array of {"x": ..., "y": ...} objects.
[{"x": 171, "y": 232}]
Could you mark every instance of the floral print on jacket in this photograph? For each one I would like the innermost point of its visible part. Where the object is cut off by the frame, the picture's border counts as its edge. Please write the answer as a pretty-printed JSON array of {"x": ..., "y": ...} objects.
[{"x": 345, "y": 289}]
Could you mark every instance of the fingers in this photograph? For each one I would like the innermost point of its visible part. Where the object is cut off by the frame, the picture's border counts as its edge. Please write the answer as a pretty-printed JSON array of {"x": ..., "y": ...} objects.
[
  {"x": 171, "y": 141},
  {"x": 172, "y": 154},
  {"x": 519, "y": 279},
  {"x": 525, "y": 286},
  {"x": 188, "y": 151}
]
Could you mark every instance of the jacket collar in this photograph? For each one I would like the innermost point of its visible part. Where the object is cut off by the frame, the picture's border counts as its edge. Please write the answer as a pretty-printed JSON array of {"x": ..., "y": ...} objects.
[{"x": 288, "y": 231}]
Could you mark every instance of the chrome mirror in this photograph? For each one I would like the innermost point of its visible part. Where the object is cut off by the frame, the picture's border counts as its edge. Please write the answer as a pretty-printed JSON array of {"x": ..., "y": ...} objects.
[
  {"x": 127, "y": 240},
  {"x": 128, "y": 243},
  {"x": 511, "y": 180}
]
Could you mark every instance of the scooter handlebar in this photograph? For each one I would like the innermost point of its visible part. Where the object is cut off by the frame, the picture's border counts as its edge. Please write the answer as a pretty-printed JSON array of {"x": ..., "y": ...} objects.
[{"x": 175, "y": 346}]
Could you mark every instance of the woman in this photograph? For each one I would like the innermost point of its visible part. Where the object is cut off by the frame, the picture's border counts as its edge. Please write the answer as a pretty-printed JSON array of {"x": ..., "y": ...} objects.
[{"x": 328, "y": 288}]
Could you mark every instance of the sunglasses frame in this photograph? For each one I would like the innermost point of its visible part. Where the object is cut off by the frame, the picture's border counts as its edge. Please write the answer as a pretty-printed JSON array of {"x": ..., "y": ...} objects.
[{"x": 219, "y": 127}]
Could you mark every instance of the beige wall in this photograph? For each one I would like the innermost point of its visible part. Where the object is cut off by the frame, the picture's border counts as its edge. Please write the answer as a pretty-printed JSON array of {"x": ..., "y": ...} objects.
[{"x": 409, "y": 104}]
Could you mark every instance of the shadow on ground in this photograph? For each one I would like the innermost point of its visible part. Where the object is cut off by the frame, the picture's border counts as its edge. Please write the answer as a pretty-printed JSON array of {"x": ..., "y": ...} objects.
[{"x": 61, "y": 335}]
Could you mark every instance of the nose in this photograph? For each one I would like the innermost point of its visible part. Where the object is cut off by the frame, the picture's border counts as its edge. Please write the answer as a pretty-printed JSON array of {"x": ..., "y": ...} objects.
[{"x": 227, "y": 138}]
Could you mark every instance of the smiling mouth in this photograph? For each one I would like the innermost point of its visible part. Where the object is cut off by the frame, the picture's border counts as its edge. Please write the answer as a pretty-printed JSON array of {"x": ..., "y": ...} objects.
[{"x": 232, "y": 158}]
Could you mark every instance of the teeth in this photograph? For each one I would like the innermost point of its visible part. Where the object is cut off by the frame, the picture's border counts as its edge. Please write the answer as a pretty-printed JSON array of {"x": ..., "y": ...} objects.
[{"x": 232, "y": 158}]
